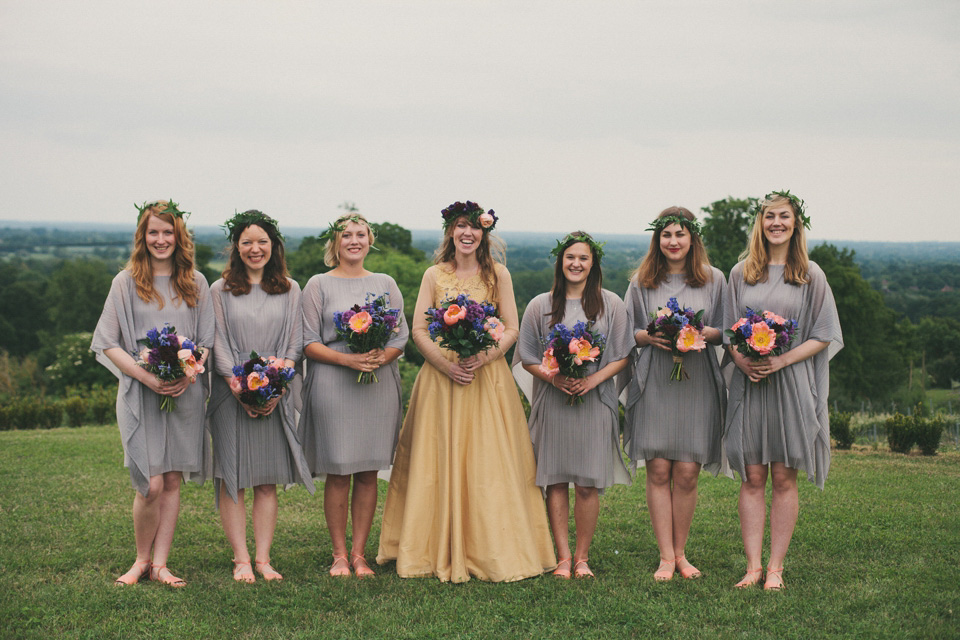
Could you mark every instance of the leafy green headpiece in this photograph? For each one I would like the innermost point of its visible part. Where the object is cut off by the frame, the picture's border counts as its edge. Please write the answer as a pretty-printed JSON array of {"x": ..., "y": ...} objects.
[
  {"x": 245, "y": 219},
  {"x": 797, "y": 202},
  {"x": 659, "y": 224},
  {"x": 172, "y": 209},
  {"x": 340, "y": 224},
  {"x": 574, "y": 238}
]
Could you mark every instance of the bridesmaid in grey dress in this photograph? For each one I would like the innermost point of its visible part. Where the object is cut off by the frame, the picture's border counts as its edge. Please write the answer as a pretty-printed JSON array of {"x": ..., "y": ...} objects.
[
  {"x": 159, "y": 285},
  {"x": 257, "y": 308},
  {"x": 350, "y": 429},
  {"x": 577, "y": 443},
  {"x": 674, "y": 427},
  {"x": 780, "y": 426}
]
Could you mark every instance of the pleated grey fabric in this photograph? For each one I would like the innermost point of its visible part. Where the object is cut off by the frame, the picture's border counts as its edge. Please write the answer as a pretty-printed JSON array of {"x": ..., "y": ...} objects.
[
  {"x": 249, "y": 452},
  {"x": 667, "y": 419},
  {"x": 786, "y": 419},
  {"x": 578, "y": 443},
  {"x": 348, "y": 427},
  {"x": 155, "y": 441}
]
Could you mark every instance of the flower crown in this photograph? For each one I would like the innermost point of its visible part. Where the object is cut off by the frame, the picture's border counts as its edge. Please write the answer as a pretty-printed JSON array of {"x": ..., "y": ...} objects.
[
  {"x": 245, "y": 219},
  {"x": 573, "y": 238},
  {"x": 486, "y": 220},
  {"x": 172, "y": 209},
  {"x": 659, "y": 224},
  {"x": 796, "y": 201},
  {"x": 338, "y": 225}
]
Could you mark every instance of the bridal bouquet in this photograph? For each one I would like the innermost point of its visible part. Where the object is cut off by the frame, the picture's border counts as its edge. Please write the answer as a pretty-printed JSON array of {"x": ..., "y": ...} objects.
[
  {"x": 368, "y": 327},
  {"x": 464, "y": 326},
  {"x": 569, "y": 351},
  {"x": 761, "y": 334},
  {"x": 683, "y": 328},
  {"x": 259, "y": 380},
  {"x": 169, "y": 357}
]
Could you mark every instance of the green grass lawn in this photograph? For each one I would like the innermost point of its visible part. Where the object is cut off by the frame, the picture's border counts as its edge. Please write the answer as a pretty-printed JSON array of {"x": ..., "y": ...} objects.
[{"x": 877, "y": 554}]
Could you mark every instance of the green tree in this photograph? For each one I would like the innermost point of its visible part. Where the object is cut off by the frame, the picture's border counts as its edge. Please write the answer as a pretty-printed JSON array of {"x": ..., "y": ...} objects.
[
  {"x": 939, "y": 341},
  {"x": 393, "y": 235},
  {"x": 203, "y": 254},
  {"x": 726, "y": 227},
  {"x": 872, "y": 364},
  {"x": 75, "y": 294},
  {"x": 23, "y": 313}
]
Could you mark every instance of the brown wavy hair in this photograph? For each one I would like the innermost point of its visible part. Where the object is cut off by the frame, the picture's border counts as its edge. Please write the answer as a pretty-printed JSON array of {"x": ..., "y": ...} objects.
[
  {"x": 490, "y": 251},
  {"x": 757, "y": 254},
  {"x": 141, "y": 268},
  {"x": 275, "y": 275},
  {"x": 654, "y": 269},
  {"x": 592, "y": 297}
]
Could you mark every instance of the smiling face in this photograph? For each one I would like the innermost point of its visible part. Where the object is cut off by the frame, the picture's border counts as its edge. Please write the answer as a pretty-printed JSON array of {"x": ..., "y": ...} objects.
[
  {"x": 255, "y": 249},
  {"x": 354, "y": 243},
  {"x": 778, "y": 224},
  {"x": 160, "y": 239},
  {"x": 577, "y": 263},
  {"x": 675, "y": 242},
  {"x": 466, "y": 237}
]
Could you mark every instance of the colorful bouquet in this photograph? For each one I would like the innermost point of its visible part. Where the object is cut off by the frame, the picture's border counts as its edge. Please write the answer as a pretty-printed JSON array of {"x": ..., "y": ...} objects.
[
  {"x": 259, "y": 380},
  {"x": 568, "y": 352},
  {"x": 683, "y": 328},
  {"x": 368, "y": 327},
  {"x": 169, "y": 357},
  {"x": 464, "y": 326},
  {"x": 758, "y": 335}
]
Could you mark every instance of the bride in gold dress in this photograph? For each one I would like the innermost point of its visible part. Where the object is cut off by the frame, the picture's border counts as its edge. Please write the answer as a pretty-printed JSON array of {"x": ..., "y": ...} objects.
[{"x": 463, "y": 499}]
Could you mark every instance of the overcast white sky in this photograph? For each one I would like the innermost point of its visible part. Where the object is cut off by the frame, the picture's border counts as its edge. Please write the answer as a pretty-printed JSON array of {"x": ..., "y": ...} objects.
[{"x": 558, "y": 115}]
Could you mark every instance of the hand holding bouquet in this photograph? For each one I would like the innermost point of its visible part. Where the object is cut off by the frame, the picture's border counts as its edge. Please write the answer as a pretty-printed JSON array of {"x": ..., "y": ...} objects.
[
  {"x": 259, "y": 380},
  {"x": 170, "y": 358},
  {"x": 464, "y": 326},
  {"x": 368, "y": 327},
  {"x": 569, "y": 351},
  {"x": 763, "y": 334},
  {"x": 683, "y": 328}
]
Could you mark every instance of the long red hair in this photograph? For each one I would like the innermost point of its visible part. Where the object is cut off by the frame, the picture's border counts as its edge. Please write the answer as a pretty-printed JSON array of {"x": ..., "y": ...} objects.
[{"x": 141, "y": 267}]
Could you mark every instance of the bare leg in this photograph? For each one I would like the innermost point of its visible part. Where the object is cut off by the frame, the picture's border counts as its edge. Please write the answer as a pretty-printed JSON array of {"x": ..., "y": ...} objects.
[
  {"x": 363, "y": 504},
  {"x": 660, "y": 504},
  {"x": 685, "y": 477},
  {"x": 784, "y": 509},
  {"x": 264, "y": 524},
  {"x": 146, "y": 518},
  {"x": 264, "y": 519},
  {"x": 336, "y": 492},
  {"x": 586, "y": 510},
  {"x": 753, "y": 515},
  {"x": 169, "y": 512},
  {"x": 233, "y": 517},
  {"x": 558, "y": 511}
]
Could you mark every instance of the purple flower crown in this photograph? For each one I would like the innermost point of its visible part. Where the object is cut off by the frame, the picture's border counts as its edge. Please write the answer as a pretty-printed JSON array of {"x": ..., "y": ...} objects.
[{"x": 486, "y": 220}]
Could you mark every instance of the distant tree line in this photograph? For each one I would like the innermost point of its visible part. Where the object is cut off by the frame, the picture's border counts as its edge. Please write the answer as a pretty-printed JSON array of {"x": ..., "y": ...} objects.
[{"x": 893, "y": 350}]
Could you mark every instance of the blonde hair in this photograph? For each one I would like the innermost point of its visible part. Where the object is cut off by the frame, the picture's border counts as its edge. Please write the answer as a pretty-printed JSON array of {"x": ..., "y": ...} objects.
[
  {"x": 141, "y": 268},
  {"x": 331, "y": 252},
  {"x": 756, "y": 257}
]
